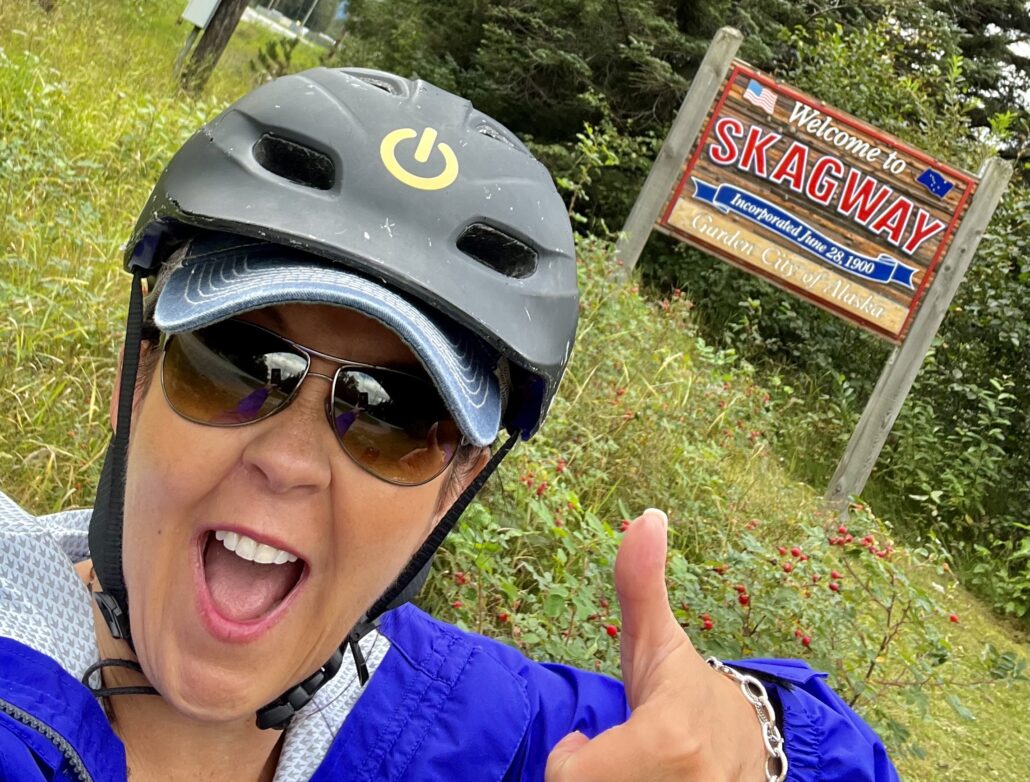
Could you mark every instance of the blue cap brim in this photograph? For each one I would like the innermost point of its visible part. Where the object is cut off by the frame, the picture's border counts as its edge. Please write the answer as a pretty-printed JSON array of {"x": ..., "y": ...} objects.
[{"x": 229, "y": 282}]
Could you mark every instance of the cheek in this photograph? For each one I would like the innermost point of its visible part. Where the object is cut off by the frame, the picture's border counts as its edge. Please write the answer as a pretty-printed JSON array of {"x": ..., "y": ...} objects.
[
  {"x": 377, "y": 529},
  {"x": 172, "y": 466}
]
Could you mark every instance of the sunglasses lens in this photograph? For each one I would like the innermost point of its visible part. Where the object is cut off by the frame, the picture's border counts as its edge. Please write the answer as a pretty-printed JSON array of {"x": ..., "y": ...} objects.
[
  {"x": 394, "y": 425},
  {"x": 229, "y": 374}
]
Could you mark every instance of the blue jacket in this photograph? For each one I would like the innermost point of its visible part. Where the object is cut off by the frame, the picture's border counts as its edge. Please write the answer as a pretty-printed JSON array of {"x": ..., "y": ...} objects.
[{"x": 443, "y": 705}]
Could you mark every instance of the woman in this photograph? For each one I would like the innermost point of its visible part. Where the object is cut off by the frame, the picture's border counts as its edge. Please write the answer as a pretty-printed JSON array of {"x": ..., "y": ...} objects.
[{"x": 357, "y": 282}]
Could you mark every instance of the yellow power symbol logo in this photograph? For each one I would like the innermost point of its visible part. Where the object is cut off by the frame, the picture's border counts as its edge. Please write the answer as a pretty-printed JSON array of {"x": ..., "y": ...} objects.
[{"x": 388, "y": 152}]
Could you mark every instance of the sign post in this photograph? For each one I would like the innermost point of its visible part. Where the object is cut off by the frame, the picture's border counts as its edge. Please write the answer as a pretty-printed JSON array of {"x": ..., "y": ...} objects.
[
  {"x": 703, "y": 90},
  {"x": 899, "y": 373},
  {"x": 219, "y": 18},
  {"x": 824, "y": 206}
]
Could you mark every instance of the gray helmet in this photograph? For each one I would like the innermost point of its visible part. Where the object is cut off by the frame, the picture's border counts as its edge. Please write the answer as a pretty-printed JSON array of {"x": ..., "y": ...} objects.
[{"x": 398, "y": 180}]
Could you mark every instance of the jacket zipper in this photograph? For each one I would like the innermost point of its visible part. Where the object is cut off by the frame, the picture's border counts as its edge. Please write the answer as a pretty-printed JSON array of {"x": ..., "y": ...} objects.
[{"x": 55, "y": 738}]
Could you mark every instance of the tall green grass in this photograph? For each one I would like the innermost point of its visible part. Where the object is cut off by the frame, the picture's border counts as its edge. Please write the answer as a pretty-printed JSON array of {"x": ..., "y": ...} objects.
[{"x": 648, "y": 414}]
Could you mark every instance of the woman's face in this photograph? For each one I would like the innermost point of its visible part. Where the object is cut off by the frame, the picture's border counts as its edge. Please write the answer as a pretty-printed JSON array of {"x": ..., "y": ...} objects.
[{"x": 204, "y": 630}]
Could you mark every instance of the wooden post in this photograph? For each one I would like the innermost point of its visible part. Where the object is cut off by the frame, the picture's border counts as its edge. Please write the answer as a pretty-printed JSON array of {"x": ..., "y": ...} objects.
[
  {"x": 212, "y": 44},
  {"x": 900, "y": 371},
  {"x": 703, "y": 89}
]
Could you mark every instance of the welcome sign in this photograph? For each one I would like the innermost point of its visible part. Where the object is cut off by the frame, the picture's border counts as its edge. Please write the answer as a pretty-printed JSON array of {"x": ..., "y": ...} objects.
[{"x": 817, "y": 202}]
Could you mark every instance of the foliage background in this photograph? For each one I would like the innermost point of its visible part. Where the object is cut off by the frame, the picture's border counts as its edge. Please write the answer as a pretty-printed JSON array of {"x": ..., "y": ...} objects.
[{"x": 679, "y": 394}]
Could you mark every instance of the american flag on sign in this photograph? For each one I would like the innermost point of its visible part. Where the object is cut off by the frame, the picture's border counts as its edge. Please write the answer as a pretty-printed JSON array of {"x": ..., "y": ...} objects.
[{"x": 763, "y": 97}]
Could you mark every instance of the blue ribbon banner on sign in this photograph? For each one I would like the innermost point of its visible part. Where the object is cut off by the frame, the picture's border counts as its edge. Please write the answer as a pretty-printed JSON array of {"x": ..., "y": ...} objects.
[{"x": 730, "y": 198}]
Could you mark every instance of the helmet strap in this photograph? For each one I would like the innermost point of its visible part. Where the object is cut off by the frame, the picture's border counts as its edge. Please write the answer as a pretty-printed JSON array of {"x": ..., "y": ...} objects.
[
  {"x": 106, "y": 524},
  {"x": 280, "y": 712},
  {"x": 442, "y": 529}
]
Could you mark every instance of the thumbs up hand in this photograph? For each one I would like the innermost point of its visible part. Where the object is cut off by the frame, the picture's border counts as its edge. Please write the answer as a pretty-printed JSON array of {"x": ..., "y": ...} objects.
[{"x": 688, "y": 721}]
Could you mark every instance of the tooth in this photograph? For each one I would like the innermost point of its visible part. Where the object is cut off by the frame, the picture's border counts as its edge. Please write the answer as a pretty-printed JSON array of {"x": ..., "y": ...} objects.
[
  {"x": 220, "y": 535},
  {"x": 231, "y": 540},
  {"x": 246, "y": 548},
  {"x": 265, "y": 554},
  {"x": 281, "y": 558},
  {"x": 291, "y": 558}
]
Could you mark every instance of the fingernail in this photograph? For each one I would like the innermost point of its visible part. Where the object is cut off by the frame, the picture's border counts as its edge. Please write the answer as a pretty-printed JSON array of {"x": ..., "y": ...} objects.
[{"x": 660, "y": 514}]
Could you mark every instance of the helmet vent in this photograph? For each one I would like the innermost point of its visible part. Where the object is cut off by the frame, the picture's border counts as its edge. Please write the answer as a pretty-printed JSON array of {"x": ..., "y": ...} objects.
[
  {"x": 498, "y": 250},
  {"x": 296, "y": 162},
  {"x": 493, "y": 133},
  {"x": 385, "y": 86}
]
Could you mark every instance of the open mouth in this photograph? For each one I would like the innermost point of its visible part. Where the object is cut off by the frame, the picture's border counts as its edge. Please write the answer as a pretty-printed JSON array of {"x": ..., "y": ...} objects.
[{"x": 247, "y": 581}]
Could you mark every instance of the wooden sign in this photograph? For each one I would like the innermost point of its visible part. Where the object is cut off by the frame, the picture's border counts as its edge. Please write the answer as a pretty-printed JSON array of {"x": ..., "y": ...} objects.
[
  {"x": 817, "y": 202},
  {"x": 825, "y": 206}
]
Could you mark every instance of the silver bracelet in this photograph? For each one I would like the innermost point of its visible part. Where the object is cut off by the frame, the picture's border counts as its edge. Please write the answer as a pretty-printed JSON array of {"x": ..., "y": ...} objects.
[{"x": 755, "y": 692}]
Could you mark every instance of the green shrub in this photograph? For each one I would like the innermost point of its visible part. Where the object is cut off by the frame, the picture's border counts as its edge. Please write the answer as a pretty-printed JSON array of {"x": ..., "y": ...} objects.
[{"x": 651, "y": 416}]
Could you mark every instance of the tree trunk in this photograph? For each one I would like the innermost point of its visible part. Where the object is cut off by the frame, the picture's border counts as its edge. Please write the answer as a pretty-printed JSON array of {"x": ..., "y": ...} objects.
[{"x": 212, "y": 44}]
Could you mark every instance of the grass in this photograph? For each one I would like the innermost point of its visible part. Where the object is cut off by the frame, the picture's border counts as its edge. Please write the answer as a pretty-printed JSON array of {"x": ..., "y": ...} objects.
[{"x": 649, "y": 414}]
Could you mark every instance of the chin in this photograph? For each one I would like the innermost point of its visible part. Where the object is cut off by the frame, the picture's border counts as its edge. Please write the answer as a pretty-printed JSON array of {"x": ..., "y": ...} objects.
[{"x": 214, "y": 696}]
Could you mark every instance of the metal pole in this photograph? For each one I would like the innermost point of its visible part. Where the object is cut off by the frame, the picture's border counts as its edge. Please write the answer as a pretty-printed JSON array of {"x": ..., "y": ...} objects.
[
  {"x": 703, "y": 91},
  {"x": 307, "y": 16},
  {"x": 901, "y": 369},
  {"x": 190, "y": 38}
]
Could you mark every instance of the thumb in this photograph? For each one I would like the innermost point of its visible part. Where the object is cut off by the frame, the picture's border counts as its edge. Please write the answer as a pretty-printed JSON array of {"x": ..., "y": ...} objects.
[
  {"x": 561, "y": 753},
  {"x": 650, "y": 631}
]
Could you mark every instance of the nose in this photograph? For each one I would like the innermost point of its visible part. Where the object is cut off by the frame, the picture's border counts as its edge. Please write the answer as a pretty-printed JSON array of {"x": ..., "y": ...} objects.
[{"x": 290, "y": 452}]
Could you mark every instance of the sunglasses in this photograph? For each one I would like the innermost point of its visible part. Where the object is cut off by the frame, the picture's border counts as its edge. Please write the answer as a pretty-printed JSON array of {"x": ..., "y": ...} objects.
[{"x": 393, "y": 424}]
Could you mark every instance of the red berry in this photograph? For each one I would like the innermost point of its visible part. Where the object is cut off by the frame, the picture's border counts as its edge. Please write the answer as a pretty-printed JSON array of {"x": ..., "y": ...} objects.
[
  {"x": 803, "y": 558},
  {"x": 741, "y": 589},
  {"x": 624, "y": 526},
  {"x": 782, "y": 550},
  {"x": 612, "y": 631},
  {"x": 788, "y": 566},
  {"x": 744, "y": 599},
  {"x": 798, "y": 633},
  {"x": 721, "y": 569},
  {"x": 502, "y": 616},
  {"x": 834, "y": 586},
  {"x": 848, "y": 538},
  {"x": 815, "y": 578},
  {"x": 707, "y": 624},
  {"x": 457, "y": 604},
  {"x": 842, "y": 530},
  {"x": 795, "y": 552},
  {"x": 541, "y": 489},
  {"x": 560, "y": 466},
  {"x": 835, "y": 574},
  {"x": 806, "y": 641},
  {"x": 460, "y": 578},
  {"x": 707, "y": 617},
  {"x": 953, "y": 618}
]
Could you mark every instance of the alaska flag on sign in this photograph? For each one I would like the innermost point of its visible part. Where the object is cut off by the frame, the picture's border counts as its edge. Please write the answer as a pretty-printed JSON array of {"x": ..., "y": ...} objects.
[{"x": 935, "y": 182}]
